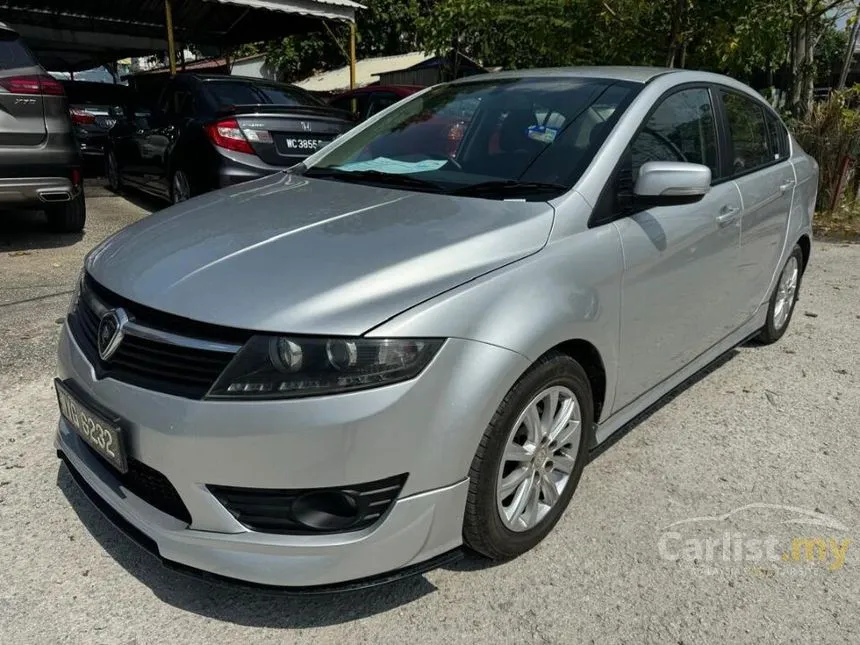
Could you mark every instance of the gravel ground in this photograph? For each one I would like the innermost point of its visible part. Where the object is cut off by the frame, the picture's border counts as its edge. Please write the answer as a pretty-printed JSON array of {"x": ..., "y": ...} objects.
[{"x": 767, "y": 426}]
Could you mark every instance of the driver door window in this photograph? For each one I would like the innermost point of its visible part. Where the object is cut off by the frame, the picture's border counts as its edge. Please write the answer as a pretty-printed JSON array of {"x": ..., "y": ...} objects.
[{"x": 681, "y": 129}]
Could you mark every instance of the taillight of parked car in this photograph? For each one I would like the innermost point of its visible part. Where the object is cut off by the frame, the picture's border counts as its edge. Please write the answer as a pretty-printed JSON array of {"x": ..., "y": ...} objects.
[
  {"x": 227, "y": 134},
  {"x": 82, "y": 117},
  {"x": 33, "y": 84}
]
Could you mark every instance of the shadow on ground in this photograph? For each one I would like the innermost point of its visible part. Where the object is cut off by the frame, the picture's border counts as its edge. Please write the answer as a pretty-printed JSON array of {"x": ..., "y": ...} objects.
[
  {"x": 22, "y": 231},
  {"x": 236, "y": 604}
]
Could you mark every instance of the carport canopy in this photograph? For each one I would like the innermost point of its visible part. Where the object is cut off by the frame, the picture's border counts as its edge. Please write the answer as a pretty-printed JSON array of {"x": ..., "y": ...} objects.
[{"x": 81, "y": 34}]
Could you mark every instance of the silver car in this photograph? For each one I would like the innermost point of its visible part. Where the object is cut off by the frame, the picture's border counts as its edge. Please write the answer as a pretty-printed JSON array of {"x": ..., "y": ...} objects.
[{"x": 414, "y": 340}]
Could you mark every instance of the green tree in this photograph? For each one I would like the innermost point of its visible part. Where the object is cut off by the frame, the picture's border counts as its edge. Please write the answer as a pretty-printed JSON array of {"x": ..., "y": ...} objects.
[{"x": 384, "y": 28}]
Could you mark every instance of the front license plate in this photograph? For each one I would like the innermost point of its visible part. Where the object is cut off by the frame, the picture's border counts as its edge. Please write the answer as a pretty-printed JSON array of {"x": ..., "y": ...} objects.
[{"x": 104, "y": 436}]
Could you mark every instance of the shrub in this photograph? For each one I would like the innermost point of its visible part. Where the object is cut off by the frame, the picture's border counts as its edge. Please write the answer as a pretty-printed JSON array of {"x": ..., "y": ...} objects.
[{"x": 831, "y": 132}]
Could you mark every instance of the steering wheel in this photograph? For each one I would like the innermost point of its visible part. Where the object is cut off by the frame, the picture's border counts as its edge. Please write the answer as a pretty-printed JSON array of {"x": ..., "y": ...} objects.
[{"x": 667, "y": 141}]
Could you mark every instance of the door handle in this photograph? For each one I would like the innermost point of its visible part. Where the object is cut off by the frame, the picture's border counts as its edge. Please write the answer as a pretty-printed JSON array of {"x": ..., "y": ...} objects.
[
  {"x": 727, "y": 215},
  {"x": 784, "y": 187}
]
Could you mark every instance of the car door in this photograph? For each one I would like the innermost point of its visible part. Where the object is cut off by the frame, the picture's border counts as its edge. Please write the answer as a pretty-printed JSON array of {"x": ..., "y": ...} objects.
[
  {"x": 758, "y": 152},
  {"x": 177, "y": 106},
  {"x": 680, "y": 262}
]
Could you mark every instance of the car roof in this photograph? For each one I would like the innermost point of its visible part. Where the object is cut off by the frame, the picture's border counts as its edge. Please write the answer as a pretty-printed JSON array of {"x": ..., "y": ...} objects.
[
  {"x": 629, "y": 74},
  {"x": 238, "y": 79},
  {"x": 400, "y": 89}
]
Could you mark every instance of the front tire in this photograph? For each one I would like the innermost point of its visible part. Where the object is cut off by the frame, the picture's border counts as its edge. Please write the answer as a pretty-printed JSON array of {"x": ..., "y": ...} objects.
[
  {"x": 782, "y": 300},
  {"x": 530, "y": 459},
  {"x": 68, "y": 217}
]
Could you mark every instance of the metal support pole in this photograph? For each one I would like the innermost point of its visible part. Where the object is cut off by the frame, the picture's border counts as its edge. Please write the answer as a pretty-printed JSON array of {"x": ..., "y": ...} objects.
[
  {"x": 171, "y": 45},
  {"x": 352, "y": 55}
]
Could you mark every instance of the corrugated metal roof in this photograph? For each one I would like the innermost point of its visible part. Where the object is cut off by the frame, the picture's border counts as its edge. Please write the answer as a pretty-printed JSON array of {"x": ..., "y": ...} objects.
[
  {"x": 111, "y": 29},
  {"x": 366, "y": 72}
]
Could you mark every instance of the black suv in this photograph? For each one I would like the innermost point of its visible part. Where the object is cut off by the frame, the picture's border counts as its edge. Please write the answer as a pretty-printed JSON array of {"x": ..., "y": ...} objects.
[
  {"x": 210, "y": 131},
  {"x": 40, "y": 165}
]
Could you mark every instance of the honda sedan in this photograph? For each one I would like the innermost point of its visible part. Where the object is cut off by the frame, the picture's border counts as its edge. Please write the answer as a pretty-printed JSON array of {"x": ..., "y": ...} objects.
[{"x": 413, "y": 340}]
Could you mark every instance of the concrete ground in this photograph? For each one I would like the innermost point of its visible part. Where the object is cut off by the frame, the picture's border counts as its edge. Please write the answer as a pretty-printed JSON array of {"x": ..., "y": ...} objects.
[{"x": 768, "y": 438}]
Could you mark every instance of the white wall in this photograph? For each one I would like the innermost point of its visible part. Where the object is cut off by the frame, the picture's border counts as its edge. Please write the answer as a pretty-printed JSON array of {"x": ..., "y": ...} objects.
[{"x": 254, "y": 67}]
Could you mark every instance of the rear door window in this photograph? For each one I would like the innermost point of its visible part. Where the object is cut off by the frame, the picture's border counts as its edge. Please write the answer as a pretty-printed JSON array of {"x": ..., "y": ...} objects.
[
  {"x": 748, "y": 133},
  {"x": 778, "y": 137}
]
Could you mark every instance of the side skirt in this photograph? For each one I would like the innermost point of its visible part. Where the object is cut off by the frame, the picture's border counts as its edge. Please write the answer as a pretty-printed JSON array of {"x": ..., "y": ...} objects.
[{"x": 607, "y": 428}]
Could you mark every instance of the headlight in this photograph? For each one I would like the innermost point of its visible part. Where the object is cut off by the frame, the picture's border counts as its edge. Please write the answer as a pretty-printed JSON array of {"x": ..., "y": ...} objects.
[{"x": 275, "y": 367}]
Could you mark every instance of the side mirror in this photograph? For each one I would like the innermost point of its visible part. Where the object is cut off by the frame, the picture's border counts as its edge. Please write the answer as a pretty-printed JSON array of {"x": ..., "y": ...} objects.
[{"x": 668, "y": 183}]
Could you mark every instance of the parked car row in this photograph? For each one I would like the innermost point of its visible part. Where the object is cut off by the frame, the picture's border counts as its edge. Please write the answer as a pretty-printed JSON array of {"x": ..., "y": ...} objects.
[
  {"x": 210, "y": 131},
  {"x": 197, "y": 133}
]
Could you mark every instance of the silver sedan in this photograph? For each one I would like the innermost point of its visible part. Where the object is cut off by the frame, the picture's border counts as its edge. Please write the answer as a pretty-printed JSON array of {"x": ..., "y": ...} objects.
[{"x": 414, "y": 340}]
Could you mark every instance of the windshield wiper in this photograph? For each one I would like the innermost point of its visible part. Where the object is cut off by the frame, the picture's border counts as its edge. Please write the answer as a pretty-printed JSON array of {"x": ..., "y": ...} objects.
[
  {"x": 509, "y": 188},
  {"x": 376, "y": 177}
]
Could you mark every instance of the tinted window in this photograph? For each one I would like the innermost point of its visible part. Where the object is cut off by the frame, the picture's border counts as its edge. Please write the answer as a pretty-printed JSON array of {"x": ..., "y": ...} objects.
[
  {"x": 682, "y": 128},
  {"x": 359, "y": 100},
  {"x": 13, "y": 53},
  {"x": 239, "y": 93},
  {"x": 178, "y": 101},
  {"x": 381, "y": 100},
  {"x": 100, "y": 94},
  {"x": 778, "y": 137},
  {"x": 748, "y": 132}
]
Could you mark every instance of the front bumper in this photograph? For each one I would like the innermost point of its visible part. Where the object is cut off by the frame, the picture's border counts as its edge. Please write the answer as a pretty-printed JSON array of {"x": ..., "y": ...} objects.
[{"x": 428, "y": 427}]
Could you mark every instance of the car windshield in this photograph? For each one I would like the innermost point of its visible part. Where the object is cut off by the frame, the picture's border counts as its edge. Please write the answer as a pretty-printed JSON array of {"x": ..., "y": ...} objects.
[
  {"x": 239, "y": 93},
  {"x": 499, "y": 138}
]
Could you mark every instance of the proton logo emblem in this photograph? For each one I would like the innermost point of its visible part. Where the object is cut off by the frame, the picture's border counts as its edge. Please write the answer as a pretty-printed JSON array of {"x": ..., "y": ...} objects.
[
  {"x": 306, "y": 126},
  {"x": 111, "y": 331}
]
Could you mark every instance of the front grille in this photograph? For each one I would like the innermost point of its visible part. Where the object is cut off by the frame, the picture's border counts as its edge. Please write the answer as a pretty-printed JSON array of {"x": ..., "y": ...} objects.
[
  {"x": 164, "y": 367},
  {"x": 150, "y": 485},
  {"x": 297, "y": 511}
]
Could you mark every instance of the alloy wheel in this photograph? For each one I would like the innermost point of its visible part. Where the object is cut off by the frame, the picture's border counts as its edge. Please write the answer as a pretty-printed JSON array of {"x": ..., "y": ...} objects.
[
  {"x": 786, "y": 292},
  {"x": 539, "y": 458}
]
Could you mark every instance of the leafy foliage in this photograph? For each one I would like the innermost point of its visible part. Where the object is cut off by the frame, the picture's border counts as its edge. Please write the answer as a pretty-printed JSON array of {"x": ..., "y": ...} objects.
[
  {"x": 385, "y": 28},
  {"x": 830, "y": 132}
]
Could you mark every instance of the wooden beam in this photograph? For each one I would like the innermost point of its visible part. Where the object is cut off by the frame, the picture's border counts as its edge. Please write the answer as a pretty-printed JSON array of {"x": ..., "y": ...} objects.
[{"x": 171, "y": 44}]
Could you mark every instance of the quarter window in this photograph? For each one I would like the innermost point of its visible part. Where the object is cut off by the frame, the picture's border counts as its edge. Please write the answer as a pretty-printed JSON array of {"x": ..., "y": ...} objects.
[
  {"x": 748, "y": 132},
  {"x": 778, "y": 137}
]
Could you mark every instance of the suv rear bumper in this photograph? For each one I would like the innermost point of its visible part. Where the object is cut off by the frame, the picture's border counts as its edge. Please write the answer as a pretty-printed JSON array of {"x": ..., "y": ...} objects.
[{"x": 36, "y": 190}]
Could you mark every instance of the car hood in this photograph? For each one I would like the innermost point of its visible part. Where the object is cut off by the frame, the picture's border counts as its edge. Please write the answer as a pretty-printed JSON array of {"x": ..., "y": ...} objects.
[{"x": 299, "y": 255}]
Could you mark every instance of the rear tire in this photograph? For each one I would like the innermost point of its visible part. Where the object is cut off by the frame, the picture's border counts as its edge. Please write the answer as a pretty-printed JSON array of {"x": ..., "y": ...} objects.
[
  {"x": 181, "y": 186},
  {"x": 112, "y": 172},
  {"x": 68, "y": 217},
  {"x": 782, "y": 300},
  {"x": 511, "y": 460}
]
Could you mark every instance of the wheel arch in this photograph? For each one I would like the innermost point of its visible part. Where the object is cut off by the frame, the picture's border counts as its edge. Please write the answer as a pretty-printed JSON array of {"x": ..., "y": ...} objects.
[
  {"x": 588, "y": 356},
  {"x": 805, "y": 245}
]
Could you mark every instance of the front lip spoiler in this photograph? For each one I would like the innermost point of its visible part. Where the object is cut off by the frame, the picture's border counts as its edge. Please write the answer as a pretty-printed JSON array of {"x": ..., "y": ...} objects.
[{"x": 149, "y": 545}]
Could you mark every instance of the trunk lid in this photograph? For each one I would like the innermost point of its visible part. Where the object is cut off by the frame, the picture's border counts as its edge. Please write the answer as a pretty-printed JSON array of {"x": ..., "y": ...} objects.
[
  {"x": 284, "y": 135},
  {"x": 22, "y": 112}
]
